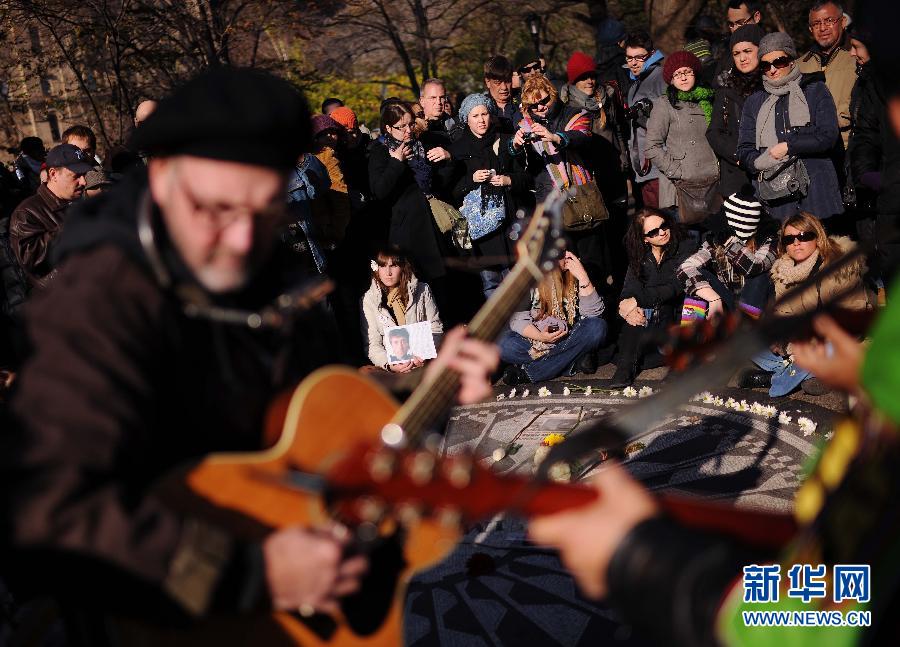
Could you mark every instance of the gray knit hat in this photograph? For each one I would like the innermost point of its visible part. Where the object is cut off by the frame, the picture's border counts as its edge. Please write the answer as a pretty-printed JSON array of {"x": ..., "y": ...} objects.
[
  {"x": 777, "y": 42},
  {"x": 470, "y": 102}
]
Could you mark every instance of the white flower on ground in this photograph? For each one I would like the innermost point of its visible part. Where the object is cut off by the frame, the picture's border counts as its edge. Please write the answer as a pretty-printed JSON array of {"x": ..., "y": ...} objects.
[
  {"x": 806, "y": 425},
  {"x": 784, "y": 418},
  {"x": 560, "y": 472},
  {"x": 501, "y": 397},
  {"x": 587, "y": 391},
  {"x": 543, "y": 392},
  {"x": 614, "y": 393},
  {"x": 629, "y": 392},
  {"x": 566, "y": 391},
  {"x": 512, "y": 393},
  {"x": 829, "y": 435},
  {"x": 645, "y": 391},
  {"x": 524, "y": 394}
]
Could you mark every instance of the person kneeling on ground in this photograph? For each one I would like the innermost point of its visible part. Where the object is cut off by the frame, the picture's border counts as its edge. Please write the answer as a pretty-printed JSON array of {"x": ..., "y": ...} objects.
[
  {"x": 396, "y": 298},
  {"x": 652, "y": 292},
  {"x": 805, "y": 250},
  {"x": 560, "y": 333},
  {"x": 731, "y": 267}
]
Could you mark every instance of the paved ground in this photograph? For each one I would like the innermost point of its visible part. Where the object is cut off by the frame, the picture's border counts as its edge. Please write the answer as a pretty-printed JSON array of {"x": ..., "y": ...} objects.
[{"x": 498, "y": 589}]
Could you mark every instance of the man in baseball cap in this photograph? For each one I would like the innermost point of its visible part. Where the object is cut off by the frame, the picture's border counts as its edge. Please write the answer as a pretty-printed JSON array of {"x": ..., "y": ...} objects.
[{"x": 37, "y": 221}]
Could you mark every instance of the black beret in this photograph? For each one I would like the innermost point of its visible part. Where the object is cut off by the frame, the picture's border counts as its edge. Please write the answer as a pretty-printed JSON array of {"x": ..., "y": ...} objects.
[
  {"x": 235, "y": 115},
  {"x": 751, "y": 33}
]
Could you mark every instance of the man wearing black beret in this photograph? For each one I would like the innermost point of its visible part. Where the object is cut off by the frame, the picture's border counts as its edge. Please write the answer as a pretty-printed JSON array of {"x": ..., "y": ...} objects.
[{"x": 138, "y": 367}]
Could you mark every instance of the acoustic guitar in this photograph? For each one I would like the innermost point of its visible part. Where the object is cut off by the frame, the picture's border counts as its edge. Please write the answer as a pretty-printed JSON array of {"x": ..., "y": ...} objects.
[{"x": 333, "y": 410}]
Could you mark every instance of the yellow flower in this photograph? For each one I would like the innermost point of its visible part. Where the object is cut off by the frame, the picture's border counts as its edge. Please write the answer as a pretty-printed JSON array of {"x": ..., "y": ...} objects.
[{"x": 552, "y": 439}]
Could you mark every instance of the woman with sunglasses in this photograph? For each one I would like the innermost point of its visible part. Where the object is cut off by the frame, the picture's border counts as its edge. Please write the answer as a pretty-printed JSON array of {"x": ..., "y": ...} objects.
[
  {"x": 805, "y": 250},
  {"x": 792, "y": 118},
  {"x": 735, "y": 85},
  {"x": 652, "y": 293},
  {"x": 403, "y": 177},
  {"x": 676, "y": 131},
  {"x": 555, "y": 140}
]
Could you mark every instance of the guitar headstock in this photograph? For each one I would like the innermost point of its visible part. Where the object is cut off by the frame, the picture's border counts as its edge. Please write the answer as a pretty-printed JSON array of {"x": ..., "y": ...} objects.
[
  {"x": 371, "y": 482},
  {"x": 542, "y": 241}
]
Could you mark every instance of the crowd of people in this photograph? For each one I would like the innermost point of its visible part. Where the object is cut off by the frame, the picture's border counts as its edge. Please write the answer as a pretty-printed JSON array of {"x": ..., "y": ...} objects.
[
  {"x": 720, "y": 175},
  {"x": 718, "y": 145}
]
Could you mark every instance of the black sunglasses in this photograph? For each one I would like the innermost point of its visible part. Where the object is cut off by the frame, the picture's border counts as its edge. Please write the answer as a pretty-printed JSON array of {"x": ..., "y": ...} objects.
[
  {"x": 542, "y": 102},
  {"x": 781, "y": 62},
  {"x": 531, "y": 67},
  {"x": 656, "y": 231},
  {"x": 803, "y": 237}
]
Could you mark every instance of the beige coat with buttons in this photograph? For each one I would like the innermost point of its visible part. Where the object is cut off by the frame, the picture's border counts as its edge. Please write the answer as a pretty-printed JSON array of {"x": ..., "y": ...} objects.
[
  {"x": 840, "y": 77},
  {"x": 677, "y": 146}
]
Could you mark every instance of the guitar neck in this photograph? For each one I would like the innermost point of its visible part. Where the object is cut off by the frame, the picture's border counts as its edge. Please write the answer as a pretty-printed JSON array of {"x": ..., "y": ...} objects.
[{"x": 431, "y": 400}]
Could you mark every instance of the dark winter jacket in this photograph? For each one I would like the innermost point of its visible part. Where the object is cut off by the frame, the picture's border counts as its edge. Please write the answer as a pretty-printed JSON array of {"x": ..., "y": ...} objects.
[
  {"x": 657, "y": 286},
  {"x": 472, "y": 154},
  {"x": 874, "y": 150},
  {"x": 813, "y": 144},
  {"x": 122, "y": 387},
  {"x": 574, "y": 146},
  {"x": 32, "y": 227},
  {"x": 412, "y": 226},
  {"x": 732, "y": 90}
]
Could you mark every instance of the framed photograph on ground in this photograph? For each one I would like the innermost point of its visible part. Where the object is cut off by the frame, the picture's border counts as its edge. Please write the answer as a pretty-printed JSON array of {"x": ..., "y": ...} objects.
[{"x": 402, "y": 343}]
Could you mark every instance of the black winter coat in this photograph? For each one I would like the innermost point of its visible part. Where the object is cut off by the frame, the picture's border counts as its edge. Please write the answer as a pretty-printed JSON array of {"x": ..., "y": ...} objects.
[
  {"x": 473, "y": 154},
  {"x": 873, "y": 146},
  {"x": 658, "y": 286},
  {"x": 412, "y": 227},
  {"x": 573, "y": 152},
  {"x": 722, "y": 133}
]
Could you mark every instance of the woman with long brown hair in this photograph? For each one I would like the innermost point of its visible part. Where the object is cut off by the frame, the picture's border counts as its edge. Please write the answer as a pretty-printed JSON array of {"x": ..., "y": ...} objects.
[
  {"x": 396, "y": 298},
  {"x": 561, "y": 332},
  {"x": 652, "y": 293},
  {"x": 805, "y": 250}
]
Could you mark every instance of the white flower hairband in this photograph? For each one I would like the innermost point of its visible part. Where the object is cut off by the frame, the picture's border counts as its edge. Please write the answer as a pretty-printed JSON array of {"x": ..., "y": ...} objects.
[{"x": 373, "y": 265}]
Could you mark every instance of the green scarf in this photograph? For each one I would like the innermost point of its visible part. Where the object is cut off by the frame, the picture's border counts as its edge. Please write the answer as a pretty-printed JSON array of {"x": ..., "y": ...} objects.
[{"x": 703, "y": 96}]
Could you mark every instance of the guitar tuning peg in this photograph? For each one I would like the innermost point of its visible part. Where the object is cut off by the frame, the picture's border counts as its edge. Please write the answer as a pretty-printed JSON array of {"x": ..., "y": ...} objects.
[
  {"x": 421, "y": 468},
  {"x": 560, "y": 242},
  {"x": 459, "y": 472},
  {"x": 433, "y": 442},
  {"x": 520, "y": 214},
  {"x": 547, "y": 265},
  {"x": 449, "y": 517},
  {"x": 381, "y": 466},
  {"x": 370, "y": 509},
  {"x": 408, "y": 514}
]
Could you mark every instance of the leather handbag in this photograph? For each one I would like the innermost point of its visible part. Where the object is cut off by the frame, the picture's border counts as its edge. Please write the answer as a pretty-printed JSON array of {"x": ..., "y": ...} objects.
[
  {"x": 584, "y": 208},
  {"x": 786, "y": 182},
  {"x": 697, "y": 199}
]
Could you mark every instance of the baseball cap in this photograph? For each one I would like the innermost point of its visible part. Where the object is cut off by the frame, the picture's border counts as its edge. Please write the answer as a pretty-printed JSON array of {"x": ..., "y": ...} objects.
[{"x": 70, "y": 157}]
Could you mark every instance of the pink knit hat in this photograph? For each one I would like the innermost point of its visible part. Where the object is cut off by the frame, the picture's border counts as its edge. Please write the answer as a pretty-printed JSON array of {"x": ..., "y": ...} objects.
[{"x": 678, "y": 60}]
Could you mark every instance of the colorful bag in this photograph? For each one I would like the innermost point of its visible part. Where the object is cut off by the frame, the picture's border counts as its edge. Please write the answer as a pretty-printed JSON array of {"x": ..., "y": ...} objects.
[{"x": 484, "y": 216}]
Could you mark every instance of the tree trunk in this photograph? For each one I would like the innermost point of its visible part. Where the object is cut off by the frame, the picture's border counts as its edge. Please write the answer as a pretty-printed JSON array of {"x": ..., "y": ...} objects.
[{"x": 669, "y": 20}]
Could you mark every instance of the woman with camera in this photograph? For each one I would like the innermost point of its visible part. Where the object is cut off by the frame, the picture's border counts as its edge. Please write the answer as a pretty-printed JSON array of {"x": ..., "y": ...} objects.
[
  {"x": 489, "y": 187},
  {"x": 554, "y": 139},
  {"x": 561, "y": 332},
  {"x": 676, "y": 131},
  {"x": 652, "y": 294},
  {"x": 788, "y": 134}
]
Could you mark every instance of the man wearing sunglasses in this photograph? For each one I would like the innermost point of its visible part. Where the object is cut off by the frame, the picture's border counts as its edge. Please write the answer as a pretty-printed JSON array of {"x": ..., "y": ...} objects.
[
  {"x": 830, "y": 53},
  {"x": 645, "y": 65}
]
